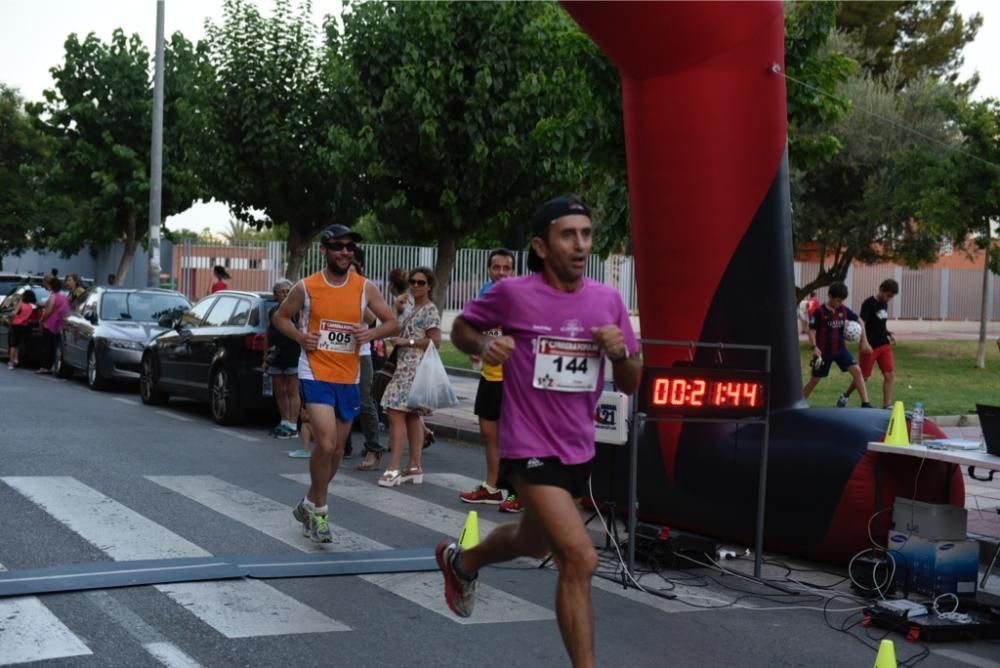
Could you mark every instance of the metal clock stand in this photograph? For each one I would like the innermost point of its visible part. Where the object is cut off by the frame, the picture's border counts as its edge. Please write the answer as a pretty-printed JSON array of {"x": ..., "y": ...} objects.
[{"x": 643, "y": 411}]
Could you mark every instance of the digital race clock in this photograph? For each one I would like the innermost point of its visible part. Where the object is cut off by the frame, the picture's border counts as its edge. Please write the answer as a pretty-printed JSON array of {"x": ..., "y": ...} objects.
[{"x": 703, "y": 392}]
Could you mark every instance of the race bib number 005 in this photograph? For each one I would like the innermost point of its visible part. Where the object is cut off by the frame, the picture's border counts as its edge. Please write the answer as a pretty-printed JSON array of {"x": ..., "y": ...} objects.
[
  {"x": 336, "y": 337},
  {"x": 566, "y": 365}
]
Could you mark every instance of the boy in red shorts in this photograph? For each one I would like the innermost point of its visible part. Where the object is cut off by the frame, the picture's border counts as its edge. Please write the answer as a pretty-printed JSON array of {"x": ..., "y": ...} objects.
[{"x": 875, "y": 313}]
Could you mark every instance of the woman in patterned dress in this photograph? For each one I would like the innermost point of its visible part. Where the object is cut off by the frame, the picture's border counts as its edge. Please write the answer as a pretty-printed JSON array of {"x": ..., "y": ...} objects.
[{"x": 421, "y": 328}]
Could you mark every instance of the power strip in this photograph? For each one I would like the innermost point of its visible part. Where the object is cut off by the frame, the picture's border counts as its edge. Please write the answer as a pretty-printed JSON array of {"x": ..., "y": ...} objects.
[{"x": 903, "y": 607}]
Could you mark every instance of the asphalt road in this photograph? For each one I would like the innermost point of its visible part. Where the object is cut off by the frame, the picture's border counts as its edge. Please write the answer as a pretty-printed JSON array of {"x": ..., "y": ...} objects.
[{"x": 97, "y": 477}]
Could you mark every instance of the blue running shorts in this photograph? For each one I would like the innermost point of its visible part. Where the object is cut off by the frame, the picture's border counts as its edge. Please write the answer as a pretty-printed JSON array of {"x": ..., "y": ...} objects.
[{"x": 345, "y": 398}]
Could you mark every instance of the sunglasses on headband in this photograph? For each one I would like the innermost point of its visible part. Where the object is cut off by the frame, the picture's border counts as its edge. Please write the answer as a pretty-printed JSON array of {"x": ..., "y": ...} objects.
[
  {"x": 339, "y": 246},
  {"x": 418, "y": 282}
]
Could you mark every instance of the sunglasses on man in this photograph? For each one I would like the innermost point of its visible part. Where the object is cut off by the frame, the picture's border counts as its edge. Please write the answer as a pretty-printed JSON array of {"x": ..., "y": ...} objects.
[
  {"x": 419, "y": 282},
  {"x": 339, "y": 246}
]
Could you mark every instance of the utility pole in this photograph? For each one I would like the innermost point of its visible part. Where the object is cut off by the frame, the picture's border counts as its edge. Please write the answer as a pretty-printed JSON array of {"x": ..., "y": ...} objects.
[{"x": 156, "y": 157}]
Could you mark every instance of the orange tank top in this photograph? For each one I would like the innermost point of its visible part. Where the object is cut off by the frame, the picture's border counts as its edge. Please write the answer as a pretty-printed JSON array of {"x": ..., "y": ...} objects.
[{"x": 332, "y": 310}]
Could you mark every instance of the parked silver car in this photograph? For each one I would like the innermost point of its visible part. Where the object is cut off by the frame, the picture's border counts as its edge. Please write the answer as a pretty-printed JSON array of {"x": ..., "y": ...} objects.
[{"x": 108, "y": 329}]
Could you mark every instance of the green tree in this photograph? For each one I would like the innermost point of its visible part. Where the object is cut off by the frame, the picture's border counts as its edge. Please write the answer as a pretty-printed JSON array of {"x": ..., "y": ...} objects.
[
  {"x": 958, "y": 195},
  {"x": 479, "y": 112},
  {"x": 847, "y": 207},
  {"x": 22, "y": 147},
  {"x": 99, "y": 118},
  {"x": 283, "y": 138},
  {"x": 914, "y": 37},
  {"x": 184, "y": 234},
  {"x": 814, "y": 75}
]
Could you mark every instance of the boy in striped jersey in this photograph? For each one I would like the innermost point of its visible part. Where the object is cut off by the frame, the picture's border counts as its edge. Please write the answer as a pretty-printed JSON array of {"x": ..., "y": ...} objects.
[{"x": 826, "y": 334}]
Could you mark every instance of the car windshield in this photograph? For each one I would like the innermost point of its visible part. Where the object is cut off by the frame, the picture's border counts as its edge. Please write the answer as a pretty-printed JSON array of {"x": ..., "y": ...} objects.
[
  {"x": 142, "y": 306},
  {"x": 8, "y": 283}
]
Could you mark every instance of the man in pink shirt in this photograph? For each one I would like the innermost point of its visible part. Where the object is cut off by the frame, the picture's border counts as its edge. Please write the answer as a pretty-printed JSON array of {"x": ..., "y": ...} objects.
[{"x": 558, "y": 328}]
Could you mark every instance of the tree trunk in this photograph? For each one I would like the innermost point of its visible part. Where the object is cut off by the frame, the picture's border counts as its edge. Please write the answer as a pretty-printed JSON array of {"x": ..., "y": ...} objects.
[
  {"x": 297, "y": 244},
  {"x": 981, "y": 348},
  {"x": 130, "y": 244},
  {"x": 447, "y": 247}
]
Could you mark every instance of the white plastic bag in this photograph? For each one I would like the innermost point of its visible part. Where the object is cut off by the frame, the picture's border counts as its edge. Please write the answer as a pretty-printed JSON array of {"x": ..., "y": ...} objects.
[{"x": 431, "y": 388}]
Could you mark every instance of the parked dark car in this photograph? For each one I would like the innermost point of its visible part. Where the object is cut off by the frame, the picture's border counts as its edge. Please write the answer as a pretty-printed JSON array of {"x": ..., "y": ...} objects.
[
  {"x": 213, "y": 353},
  {"x": 30, "y": 350},
  {"x": 108, "y": 329},
  {"x": 10, "y": 281}
]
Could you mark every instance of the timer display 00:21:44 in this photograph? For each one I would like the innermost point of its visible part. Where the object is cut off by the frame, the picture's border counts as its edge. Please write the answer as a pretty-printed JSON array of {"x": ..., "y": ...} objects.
[{"x": 701, "y": 392}]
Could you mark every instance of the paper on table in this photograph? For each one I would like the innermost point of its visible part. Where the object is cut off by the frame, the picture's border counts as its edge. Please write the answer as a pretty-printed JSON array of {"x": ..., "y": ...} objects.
[{"x": 953, "y": 444}]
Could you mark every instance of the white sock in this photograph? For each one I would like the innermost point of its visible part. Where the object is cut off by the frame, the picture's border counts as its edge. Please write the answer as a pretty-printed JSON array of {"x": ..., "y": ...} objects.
[
  {"x": 321, "y": 510},
  {"x": 309, "y": 505},
  {"x": 290, "y": 425}
]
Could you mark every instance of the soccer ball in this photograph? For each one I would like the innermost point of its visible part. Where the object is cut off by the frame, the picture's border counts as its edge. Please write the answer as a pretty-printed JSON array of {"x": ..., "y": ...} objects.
[{"x": 852, "y": 330}]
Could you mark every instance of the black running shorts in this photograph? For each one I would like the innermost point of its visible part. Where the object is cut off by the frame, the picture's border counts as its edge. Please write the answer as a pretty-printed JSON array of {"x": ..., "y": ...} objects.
[
  {"x": 489, "y": 397},
  {"x": 574, "y": 478}
]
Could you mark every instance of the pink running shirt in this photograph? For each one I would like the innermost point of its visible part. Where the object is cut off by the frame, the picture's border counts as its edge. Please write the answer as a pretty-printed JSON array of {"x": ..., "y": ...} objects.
[{"x": 555, "y": 376}]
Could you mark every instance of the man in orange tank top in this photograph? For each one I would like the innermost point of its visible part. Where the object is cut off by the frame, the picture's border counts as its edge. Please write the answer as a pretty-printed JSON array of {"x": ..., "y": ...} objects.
[{"x": 332, "y": 303}]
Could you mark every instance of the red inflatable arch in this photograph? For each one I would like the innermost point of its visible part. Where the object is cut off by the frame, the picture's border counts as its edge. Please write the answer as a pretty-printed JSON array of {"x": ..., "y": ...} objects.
[{"x": 706, "y": 133}]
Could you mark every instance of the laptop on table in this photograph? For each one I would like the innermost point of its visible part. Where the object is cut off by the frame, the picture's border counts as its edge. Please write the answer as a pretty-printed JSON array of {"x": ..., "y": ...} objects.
[{"x": 989, "y": 422}]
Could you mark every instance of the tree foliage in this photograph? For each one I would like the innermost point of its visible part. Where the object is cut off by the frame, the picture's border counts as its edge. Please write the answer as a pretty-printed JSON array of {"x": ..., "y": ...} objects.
[
  {"x": 282, "y": 137},
  {"x": 847, "y": 207},
  {"x": 815, "y": 74},
  {"x": 23, "y": 150},
  {"x": 957, "y": 195},
  {"x": 917, "y": 38},
  {"x": 478, "y": 111},
  {"x": 98, "y": 116}
]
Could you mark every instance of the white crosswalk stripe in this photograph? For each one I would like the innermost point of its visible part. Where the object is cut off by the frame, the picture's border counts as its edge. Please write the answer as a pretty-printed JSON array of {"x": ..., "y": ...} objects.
[
  {"x": 29, "y": 631},
  {"x": 275, "y": 519},
  {"x": 236, "y": 609},
  {"x": 450, "y": 522}
]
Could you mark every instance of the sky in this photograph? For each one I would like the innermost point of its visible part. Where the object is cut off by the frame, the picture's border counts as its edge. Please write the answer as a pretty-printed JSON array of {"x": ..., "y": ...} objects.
[{"x": 32, "y": 33}]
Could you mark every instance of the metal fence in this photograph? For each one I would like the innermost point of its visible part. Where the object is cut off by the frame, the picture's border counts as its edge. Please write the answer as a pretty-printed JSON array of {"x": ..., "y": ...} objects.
[
  {"x": 256, "y": 265},
  {"x": 927, "y": 294},
  {"x": 924, "y": 294}
]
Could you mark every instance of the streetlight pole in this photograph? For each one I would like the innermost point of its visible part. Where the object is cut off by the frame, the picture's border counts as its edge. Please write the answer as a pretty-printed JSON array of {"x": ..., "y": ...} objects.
[{"x": 156, "y": 157}]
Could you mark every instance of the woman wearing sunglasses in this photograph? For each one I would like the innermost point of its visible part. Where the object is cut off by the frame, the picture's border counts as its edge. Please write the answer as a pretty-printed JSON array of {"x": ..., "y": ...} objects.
[{"x": 421, "y": 328}]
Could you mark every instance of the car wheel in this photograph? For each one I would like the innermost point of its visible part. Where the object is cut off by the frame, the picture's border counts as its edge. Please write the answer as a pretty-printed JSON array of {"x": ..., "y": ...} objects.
[
  {"x": 223, "y": 399},
  {"x": 59, "y": 367},
  {"x": 95, "y": 380},
  {"x": 148, "y": 391}
]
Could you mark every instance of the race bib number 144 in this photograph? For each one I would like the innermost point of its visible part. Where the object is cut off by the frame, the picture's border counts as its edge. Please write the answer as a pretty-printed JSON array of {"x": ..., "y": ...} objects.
[{"x": 566, "y": 365}]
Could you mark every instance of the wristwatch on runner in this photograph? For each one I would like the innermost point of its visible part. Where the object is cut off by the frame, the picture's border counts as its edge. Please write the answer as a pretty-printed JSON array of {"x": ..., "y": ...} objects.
[{"x": 412, "y": 343}]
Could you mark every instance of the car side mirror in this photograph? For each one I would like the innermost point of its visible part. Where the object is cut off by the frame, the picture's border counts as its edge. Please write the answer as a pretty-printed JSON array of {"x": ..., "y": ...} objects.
[
  {"x": 166, "y": 322},
  {"x": 92, "y": 317}
]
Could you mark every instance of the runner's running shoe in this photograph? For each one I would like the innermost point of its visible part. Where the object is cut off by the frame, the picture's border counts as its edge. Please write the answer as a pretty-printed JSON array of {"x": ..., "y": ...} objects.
[
  {"x": 511, "y": 504},
  {"x": 459, "y": 592},
  {"x": 482, "y": 494},
  {"x": 301, "y": 515},
  {"x": 842, "y": 401},
  {"x": 285, "y": 432},
  {"x": 319, "y": 528}
]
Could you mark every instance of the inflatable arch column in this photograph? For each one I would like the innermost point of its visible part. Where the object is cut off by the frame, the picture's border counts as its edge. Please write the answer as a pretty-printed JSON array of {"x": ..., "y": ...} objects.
[{"x": 705, "y": 117}]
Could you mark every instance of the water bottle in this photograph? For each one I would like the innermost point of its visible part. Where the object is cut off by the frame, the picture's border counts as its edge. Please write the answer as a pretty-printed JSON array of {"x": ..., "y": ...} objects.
[
  {"x": 917, "y": 424},
  {"x": 266, "y": 388}
]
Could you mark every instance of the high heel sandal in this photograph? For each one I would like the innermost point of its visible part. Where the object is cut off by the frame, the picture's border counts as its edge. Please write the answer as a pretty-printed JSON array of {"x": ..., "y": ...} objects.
[
  {"x": 428, "y": 439},
  {"x": 370, "y": 464},
  {"x": 416, "y": 476},
  {"x": 390, "y": 478}
]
